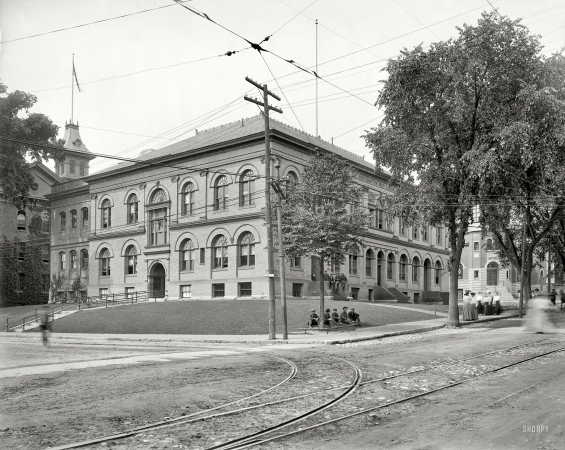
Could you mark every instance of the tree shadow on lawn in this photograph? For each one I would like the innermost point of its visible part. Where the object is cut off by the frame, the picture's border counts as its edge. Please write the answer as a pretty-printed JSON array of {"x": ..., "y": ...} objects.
[{"x": 217, "y": 317}]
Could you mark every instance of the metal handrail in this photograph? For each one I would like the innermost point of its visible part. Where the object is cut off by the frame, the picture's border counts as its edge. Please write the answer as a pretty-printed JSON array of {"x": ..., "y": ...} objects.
[{"x": 27, "y": 316}]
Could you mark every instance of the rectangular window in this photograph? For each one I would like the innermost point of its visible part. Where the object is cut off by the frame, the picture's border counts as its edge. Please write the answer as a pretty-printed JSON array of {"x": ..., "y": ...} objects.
[
  {"x": 296, "y": 262},
  {"x": 335, "y": 267},
  {"x": 380, "y": 219},
  {"x": 244, "y": 289},
  {"x": 74, "y": 219},
  {"x": 355, "y": 293},
  {"x": 84, "y": 217},
  {"x": 21, "y": 281},
  {"x": 45, "y": 283},
  {"x": 475, "y": 246},
  {"x": 130, "y": 292},
  {"x": 218, "y": 290},
  {"x": 476, "y": 274},
  {"x": 187, "y": 263},
  {"x": 401, "y": 227},
  {"x": 158, "y": 227},
  {"x": 202, "y": 256},
  {"x": 103, "y": 293},
  {"x": 415, "y": 232},
  {"x": 62, "y": 261},
  {"x": 105, "y": 267},
  {"x": 132, "y": 264},
  {"x": 21, "y": 251},
  {"x": 353, "y": 264},
  {"x": 438, "y": 235},
  {"x": 45, "y": 253},
  {"x": 63, "y": 221},
  {"x": 425, "y": 234},
  {"x": 296, "y": 289},
  {"x": 185, "y": 291},
  {"x": 389, "y": 269},
  {"x": 372, "y": 218},
  {"x": 73, "y": 260}
]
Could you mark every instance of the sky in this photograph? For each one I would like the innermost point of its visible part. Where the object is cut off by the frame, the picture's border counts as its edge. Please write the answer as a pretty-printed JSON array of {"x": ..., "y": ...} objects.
[{"x": 151, "y": 78}]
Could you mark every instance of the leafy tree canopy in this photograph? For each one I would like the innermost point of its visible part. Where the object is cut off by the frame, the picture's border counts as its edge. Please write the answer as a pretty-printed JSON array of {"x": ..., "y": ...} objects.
[
  {"x": 17, "y": 122},
  {"x": 444, "y": 108}
]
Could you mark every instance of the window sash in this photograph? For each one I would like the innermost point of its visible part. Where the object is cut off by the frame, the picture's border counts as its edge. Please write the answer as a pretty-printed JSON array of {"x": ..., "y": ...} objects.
[
  {"x": 369, "y": 266},
  {"x": 185, "y": 291},
  {"x": 106, "y": 217},
  {"x": 105, "y": 262},
  {"x": 73, "y": 260},
  {"x": 220, "y": 257},
  {"x": 245, "y": 289},
  {"x": 389, "y": 269},
  {"x": 132, "y": 264},
  {"x": 133, "y": 212},
  {"x": 353, "y": 264},
  {"x": 188, "y": 203},
  {"x": 221, "y": 198},
  {"x": 84, "y": 260},
  {"x": 85, "y": 217},
  {"x": 187, "y": 263},
  {"x": 218, "y": 290},
  {"x": 74, "y": 220}
]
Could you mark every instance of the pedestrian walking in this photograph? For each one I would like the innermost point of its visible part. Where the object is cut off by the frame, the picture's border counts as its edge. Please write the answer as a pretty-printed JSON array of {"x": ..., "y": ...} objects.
[
  {"x": 497, "y": 303},
  {"x": 562, "y": 295},
  {"x": 45, "y": 324},
  {"x": 537, "y": 320},
  {"x": 467, "y": 312},
  {"x": 479, "y": 299}
]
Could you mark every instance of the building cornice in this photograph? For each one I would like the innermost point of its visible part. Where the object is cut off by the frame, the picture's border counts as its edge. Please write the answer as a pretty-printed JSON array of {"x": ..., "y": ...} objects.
[
  {"x": 114, "y": 234},
  {"x": 215, "y": 220}
]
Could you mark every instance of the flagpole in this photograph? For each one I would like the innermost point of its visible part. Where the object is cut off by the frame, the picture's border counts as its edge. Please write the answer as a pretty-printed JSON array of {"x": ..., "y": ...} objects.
[{"x": 72, "y": 88}]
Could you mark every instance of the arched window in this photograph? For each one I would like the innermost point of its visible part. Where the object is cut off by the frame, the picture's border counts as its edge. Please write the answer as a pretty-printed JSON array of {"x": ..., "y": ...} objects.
[
  {"x": 488, "y": 245},
  {"x": 460, "y": 272},
  {"x": 106, "y": 214},
  {"x": 369, "y": 259},
  {"x": 415, "y": 269},
  {"x": 73, "y": 259},
  {"x": 84, "y": 217},
  {"x": 246, "y": 188},
  {"x": 63, "y": 220},
  {"x": 72, "y": 166},
  {"x": 221, "y": 193},
  {"x": 220, "y": 252},
  {"x": 84, "y": 259},
  {"x": 131, "y": 260},
  {"x": 389, "y": 266},
  {"x": 81, "y": 168},
  {"x": 492, "y": 274},
  {"x": 159, "y": 196},
  {"x": 401, "y": 227},
  {"x": 415, "y": 229},
  {"x": 74, "y": 218},
  {"x": 425, "y": 233},
  {"x": 438, "y": 272},
  {"x": 188, "y": 199},
  {"x": 439, "y": 232},
  {"x": 247, "y": 250},
  {"x": 21, "y": 220},
  {"x": 105, "y": 262},
  {"x": 187, "y": 256},
  {"x": 45, "y": 223},
  {"x": 402, "y": 267},
  {"x": 62, "y": 261},
  {"x": 133, "y": 203}
]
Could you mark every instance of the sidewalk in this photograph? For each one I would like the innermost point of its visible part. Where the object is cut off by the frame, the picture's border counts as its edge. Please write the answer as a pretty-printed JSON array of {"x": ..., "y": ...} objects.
[{"x": 311, "y": 338}]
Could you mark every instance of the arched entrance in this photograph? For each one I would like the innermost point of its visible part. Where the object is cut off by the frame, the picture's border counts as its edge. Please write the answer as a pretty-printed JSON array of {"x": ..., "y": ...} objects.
[
  {"x": 492, "y": 274},
  {"x": 380, "y": 257},
  {"x": 157, "y": 281},
  {"x": 427, "y": 274}
]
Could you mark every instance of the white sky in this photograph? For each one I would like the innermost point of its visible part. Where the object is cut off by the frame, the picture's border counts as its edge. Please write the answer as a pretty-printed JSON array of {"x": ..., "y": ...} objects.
[{"x": 113, "y": 113}]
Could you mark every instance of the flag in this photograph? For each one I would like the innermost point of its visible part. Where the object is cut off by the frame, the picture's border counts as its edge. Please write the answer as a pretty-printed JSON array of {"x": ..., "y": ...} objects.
[{"x": 75, "y": 75}]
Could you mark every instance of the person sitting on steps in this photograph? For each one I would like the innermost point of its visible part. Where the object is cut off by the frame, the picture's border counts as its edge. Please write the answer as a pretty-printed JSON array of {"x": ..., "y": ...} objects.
[
  {"x": 335, "y": 316},
  {"x": 327, "y": 320},
  {"x": 344, "y": 317}
]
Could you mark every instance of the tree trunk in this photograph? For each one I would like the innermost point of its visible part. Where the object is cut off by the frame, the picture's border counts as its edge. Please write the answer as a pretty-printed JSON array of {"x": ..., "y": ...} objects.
[
  {"x": 453, "y": 317},
  {"x": 322, "y": 288}
]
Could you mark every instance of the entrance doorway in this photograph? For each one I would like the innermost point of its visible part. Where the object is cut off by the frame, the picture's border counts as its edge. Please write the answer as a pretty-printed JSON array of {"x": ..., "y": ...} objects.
[
  {"x": 157, "y": 281},
  {"x": 380, "y": 257},
  {"x": 427, "y": 274},
  {"x": 492, "y": 274}
]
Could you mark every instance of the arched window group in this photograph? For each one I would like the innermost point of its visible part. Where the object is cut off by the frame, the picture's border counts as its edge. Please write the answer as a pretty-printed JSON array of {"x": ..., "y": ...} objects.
[
  {"x": 415, "y": 269},
  {"x": 188, "y": 199},
  {"x": 187, "y": 256},
  {"x": 369, "y": 261},
  {"x": 246, "y": 188},
  {"x": 132, "y": 206},
  {"x": 221, "y": 193},
  {"x": 220, "y": 252},
  {"x": 158, "y": 219},
  {"x": 73, "y": 258},
  {"x": 106, "y": 214},
  {"x": 247, "y": 250},
  {"x": 402, "y": 267},
  {"x": 105, "y": 262},
  {"x": 131, "y": 260}
]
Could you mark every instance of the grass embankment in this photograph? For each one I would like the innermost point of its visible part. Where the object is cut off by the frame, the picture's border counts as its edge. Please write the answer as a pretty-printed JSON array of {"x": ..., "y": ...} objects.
[{"x": 216, "y": 317}]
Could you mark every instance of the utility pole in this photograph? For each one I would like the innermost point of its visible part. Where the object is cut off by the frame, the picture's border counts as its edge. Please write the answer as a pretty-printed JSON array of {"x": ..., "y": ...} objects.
[
  {"x": 270, "y": 249},
  {"x": 521, "y": 305},
  {"x": 549, "y": 265},
  {"x": 281, "y": 253}
]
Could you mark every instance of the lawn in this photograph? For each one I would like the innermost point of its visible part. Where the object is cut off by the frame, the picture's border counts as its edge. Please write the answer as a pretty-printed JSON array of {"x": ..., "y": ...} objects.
[{"x": 216, "y": 317}]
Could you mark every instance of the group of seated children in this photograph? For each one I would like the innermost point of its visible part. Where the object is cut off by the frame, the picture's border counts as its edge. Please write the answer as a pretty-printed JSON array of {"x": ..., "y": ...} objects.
[{"x": 333, "y": 319}]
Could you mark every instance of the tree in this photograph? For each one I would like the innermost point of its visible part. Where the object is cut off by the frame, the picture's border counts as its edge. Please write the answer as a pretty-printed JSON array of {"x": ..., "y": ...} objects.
[
  {"x": 15, "y": 175},
  {"x": 56, "y": 282},
  {"x": 10, "y": 264},
  {"x": 321, "y": 216},
  {"x": 442, "y": 106},
  {"x": 522, "y": 175},
  {"x": 76, "y": 286}
]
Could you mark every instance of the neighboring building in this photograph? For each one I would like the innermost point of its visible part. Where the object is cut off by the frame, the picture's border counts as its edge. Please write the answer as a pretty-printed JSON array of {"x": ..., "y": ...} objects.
[
  {"x": 190, "y": 225},
  {"x": 14, "y": 224}
]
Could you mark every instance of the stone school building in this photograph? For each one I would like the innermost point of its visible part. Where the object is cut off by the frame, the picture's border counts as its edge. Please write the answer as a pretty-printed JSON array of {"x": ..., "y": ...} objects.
[{"x": 189, "y": 223}]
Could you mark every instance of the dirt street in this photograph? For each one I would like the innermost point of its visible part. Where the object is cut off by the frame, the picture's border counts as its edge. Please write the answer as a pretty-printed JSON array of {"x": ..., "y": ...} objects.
[{"x": 132, "y": 385}]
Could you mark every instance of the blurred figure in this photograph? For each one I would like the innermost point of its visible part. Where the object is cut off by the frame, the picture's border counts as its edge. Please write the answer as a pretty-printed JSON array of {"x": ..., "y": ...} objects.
[
  {"x": 354, "y": 317},
  {"x": 335, "y": 316},
  {"x": 562, "y": 295},
  {"x": 497, "y": 302},
  {"x": 552, "y": 296},
  {"x": 467, "y": 312},
  {"x": 487, "y": 304},
  {"x": 45, "y": 323},
  {"x": 479, "y": 299},
  {"x": 344, "y": 316},
  {"x": 474, "y": 313},
  {"x": 537, "y": 319},
  {"x": 327, "y": 319}
]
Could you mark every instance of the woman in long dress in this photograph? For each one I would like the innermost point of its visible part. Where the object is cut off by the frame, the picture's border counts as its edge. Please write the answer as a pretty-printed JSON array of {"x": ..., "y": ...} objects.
[
  {"x": 474, "y": 313},
  {"x": 497, "y": 302},
  {"x": 467, "y": 315},
  {"x": 480, "y": 307}
]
